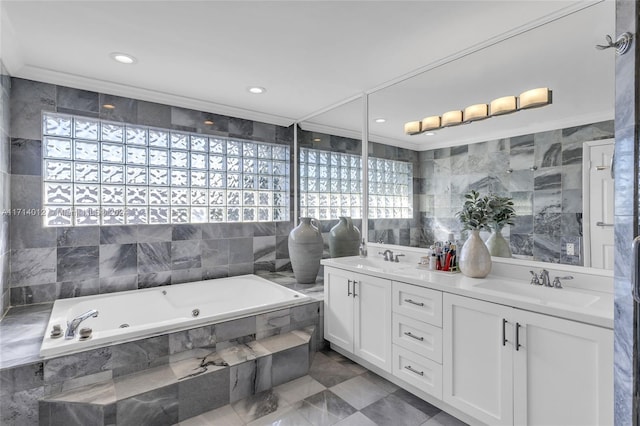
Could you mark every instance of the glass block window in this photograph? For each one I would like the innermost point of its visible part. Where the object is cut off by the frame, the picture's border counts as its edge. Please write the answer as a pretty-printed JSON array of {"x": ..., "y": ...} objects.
[
  {"x": 98, "y": 172},
  {"x": 390, "y": 189},
  {"x": 331, "y": 186}
]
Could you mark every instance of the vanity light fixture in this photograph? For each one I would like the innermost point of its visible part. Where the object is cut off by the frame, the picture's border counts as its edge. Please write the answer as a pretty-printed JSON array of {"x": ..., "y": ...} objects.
[
  {"x": 502, "y": 106},
  {"x": 451, "y": 118},
  {"x": 123, "y": 58},
  {"x": 476, "y": 112},
  {"x": 535, "y": 98},
  {"x": 256, "y": 90}
]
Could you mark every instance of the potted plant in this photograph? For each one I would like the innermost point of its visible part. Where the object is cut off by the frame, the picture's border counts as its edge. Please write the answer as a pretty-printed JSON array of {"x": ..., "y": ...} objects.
[
  {"x": 502, "y": 213},
  {"x": 474, "y": 258}
]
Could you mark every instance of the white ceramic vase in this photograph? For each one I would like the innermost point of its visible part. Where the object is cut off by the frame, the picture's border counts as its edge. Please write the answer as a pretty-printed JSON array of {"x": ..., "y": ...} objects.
[
  {"x": 498, "y": 246},
  {"x": 305, "y": 251},
  {"x": 475, "y": 260}
]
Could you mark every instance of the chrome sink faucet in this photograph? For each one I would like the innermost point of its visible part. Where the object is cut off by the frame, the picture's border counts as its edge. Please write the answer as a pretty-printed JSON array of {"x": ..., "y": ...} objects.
[
  {"x": 534, "y": 278},
  {"x": 388, "y": 255},
  {"x": 544, "y": 278},
  {"x": 73, "y": 325}
]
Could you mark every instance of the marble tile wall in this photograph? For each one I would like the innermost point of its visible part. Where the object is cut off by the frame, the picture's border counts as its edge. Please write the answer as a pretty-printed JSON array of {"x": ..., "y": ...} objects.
[
  {"x": 627, "y": 128},
  {"x": 5, "y": 200},
  {"x": 51, "y": 263},
  {"x": 548, "y": 200}
]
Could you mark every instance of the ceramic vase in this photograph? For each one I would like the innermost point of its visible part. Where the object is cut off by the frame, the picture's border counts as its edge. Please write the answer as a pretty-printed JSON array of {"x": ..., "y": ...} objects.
[
  {"x": 344, "y": 238},
  {"x": 498, "y": 246},
  {"x": 305, "y": 251},
  {"x": 474, "y": 259}
]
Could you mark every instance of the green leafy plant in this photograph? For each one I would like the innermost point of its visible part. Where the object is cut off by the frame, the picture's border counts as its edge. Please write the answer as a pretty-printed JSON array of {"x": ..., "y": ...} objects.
[
  {"x": 475, "y": 213},
  {"x": 501, "y": 211}
]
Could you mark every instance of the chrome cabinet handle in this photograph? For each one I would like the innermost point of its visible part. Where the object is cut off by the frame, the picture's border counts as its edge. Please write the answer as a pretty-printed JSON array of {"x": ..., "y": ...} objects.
[
  {"x": 518, "y": 336},
  {"x": 410, "y": 334},
  {"x": 354, "y": 288},
  {"x": 414, "y": 303},
  {"x": 349, "y": 288},
  {"x": 408, "y": 367},
  {"x": 603, "y": 224},
  {"x": 635, "y": 286}
]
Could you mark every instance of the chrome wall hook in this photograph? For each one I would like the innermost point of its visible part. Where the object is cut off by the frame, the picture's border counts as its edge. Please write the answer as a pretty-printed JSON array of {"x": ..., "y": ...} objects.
[{"x": 622, "y": 44}]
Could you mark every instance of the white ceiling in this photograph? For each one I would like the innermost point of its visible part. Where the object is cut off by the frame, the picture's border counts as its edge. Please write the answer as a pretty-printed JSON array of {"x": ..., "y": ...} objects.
[{"x": 312, "y": 55}]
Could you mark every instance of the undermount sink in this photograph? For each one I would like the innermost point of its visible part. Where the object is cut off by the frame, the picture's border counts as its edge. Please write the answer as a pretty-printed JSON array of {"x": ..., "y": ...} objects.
[
  {"x": 542, "y": 294},
  {"x": 372, "y": 264}
]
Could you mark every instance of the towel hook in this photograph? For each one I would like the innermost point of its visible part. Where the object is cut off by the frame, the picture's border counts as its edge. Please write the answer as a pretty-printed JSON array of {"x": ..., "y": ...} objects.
[{"x": 622, "y": 44}]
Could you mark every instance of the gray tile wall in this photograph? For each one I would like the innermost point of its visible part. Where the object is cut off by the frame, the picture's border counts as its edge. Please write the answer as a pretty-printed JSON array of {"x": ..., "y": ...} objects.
[
  {"x": 51, "y": 263},
  {"x": 626, "y": 215},
  {"x": 548, "y": 200},
  {"x": 5, "y": 200}
]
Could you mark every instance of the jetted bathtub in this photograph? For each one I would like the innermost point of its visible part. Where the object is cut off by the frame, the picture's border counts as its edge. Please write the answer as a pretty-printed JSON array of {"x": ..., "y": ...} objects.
[{"x": 129, "y": 315}]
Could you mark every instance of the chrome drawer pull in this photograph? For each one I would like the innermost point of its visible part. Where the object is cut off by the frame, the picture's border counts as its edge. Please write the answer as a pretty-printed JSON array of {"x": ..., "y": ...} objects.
[
  {"x": 408, "y": 367},
  {"x": 414, "y": 303},
  {"x": 603, "y": 224},
  {"x": 408, "y": 333}
]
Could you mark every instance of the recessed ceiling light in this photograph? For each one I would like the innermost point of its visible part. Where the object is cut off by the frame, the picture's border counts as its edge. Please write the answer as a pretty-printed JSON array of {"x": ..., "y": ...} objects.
[
  {"x": 123, "y": 58},
  {"x": 380, "y": 120},
  {"x": 208, "y": 122},
  {"x": 108, "y": 106},
  {"x": 317, "y": 139},
  {"x": 256, "y": 90},
  {"x": 430, "y": 134}
]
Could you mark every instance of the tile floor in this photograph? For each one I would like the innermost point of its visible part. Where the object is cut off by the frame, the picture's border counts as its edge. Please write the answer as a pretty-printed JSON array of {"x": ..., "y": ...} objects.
[{"x": 335, "y": 392}]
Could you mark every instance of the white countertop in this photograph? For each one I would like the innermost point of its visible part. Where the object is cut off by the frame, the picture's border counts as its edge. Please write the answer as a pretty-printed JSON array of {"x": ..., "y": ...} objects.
[{"x": 571, "y": 302}]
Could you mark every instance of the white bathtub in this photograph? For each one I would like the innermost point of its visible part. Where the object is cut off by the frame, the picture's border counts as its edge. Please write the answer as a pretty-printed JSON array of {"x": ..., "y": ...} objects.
[{"x": 135, "y": 314}]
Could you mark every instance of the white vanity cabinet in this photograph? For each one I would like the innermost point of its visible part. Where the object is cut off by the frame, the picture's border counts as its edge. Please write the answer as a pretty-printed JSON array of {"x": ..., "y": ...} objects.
[
  {"x": 507, "y": 366},
  {"x": 357, "y": 311}
]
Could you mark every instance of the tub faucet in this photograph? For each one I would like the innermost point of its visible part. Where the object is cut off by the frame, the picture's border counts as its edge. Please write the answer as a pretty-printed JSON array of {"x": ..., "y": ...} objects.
[{"x": 73, "y": 325}]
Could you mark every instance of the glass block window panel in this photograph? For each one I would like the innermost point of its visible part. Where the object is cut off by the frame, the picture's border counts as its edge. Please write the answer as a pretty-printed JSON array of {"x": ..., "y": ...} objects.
[
  {"x": 107, "y": 173},
  {"x": 331, "y": 185}
]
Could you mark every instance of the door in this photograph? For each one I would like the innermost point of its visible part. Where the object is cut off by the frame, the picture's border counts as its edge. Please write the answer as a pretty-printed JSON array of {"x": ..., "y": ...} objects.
[
  {"x": 477, "y": 359},
  {"x": 338, "y": 308},
  {"x": 598, "y": 204},
  {"x": 372, "y": 340},
  {"x": 563, "y": 372}
]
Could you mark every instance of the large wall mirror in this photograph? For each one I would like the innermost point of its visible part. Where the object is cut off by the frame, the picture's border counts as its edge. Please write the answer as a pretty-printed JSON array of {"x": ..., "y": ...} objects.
[
  {"x": 415, "y": 184},
  {"x": 534, "y": 156}
]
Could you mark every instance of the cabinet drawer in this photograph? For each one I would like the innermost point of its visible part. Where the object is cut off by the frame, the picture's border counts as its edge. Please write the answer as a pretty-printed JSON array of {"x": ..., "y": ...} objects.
[
  {"x": 418, "y": 303},
  {"x": 421, "y": 372},
  {"x": 417, "y": 336}
]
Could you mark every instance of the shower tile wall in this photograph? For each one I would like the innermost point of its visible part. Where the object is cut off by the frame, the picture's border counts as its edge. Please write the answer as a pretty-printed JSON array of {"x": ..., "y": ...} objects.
[
  {"x": 5, "y": 200},
  {"x": 548, "y": 200},
  {"x": 51, "y": 263}
]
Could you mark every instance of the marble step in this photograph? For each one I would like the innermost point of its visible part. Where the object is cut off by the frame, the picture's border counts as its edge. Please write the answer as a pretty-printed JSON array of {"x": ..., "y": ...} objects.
[{"x": 192, "y": 383}]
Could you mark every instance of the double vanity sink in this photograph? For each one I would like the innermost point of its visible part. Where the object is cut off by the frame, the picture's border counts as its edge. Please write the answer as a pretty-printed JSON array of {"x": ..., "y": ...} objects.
[{"x": 570, "y": 301}]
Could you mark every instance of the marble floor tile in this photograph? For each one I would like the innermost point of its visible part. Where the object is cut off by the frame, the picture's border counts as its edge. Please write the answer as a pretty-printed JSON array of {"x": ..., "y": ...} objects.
[
  {"x": 286, "y": 416},
  {"x": 223, "y": 416},
  {"x": 416, "y": 402},
  {"x": 325, "y": 408},
  {"x": 359, "y": 392},
  {"x": 258, "y": 405},
  {"x": 356, "y": 419},
  {"x": 298, "y": 389},
  {"x": 386, "y": 385},
  {"x": 329, "y": 372},
  {"x": 392, "y": 410},
  {"x": 443, "y": 419}
]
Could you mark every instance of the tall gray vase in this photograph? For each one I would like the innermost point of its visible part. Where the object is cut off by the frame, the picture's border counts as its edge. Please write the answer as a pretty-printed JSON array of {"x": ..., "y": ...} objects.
[
  {"x": 344, "y": 238},
  {"x": 305, "y": 251},
  {"x": 474, "y": 259}
]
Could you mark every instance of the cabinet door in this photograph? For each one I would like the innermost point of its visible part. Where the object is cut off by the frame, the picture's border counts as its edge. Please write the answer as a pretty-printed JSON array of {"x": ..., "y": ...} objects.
[
  {"x": 477, "y": 359},
  {"x": 372, "y": 340},
  {"x": 563, "y": 372},
  {"x": 338, "y": 308}
]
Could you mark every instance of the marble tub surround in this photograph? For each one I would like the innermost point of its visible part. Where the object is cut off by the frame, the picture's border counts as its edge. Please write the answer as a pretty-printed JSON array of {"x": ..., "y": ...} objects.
[
  {"x": 192, "y": 383},
  {"x": 51, "y": 263},
  {"x": 335, "y": 391}
]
